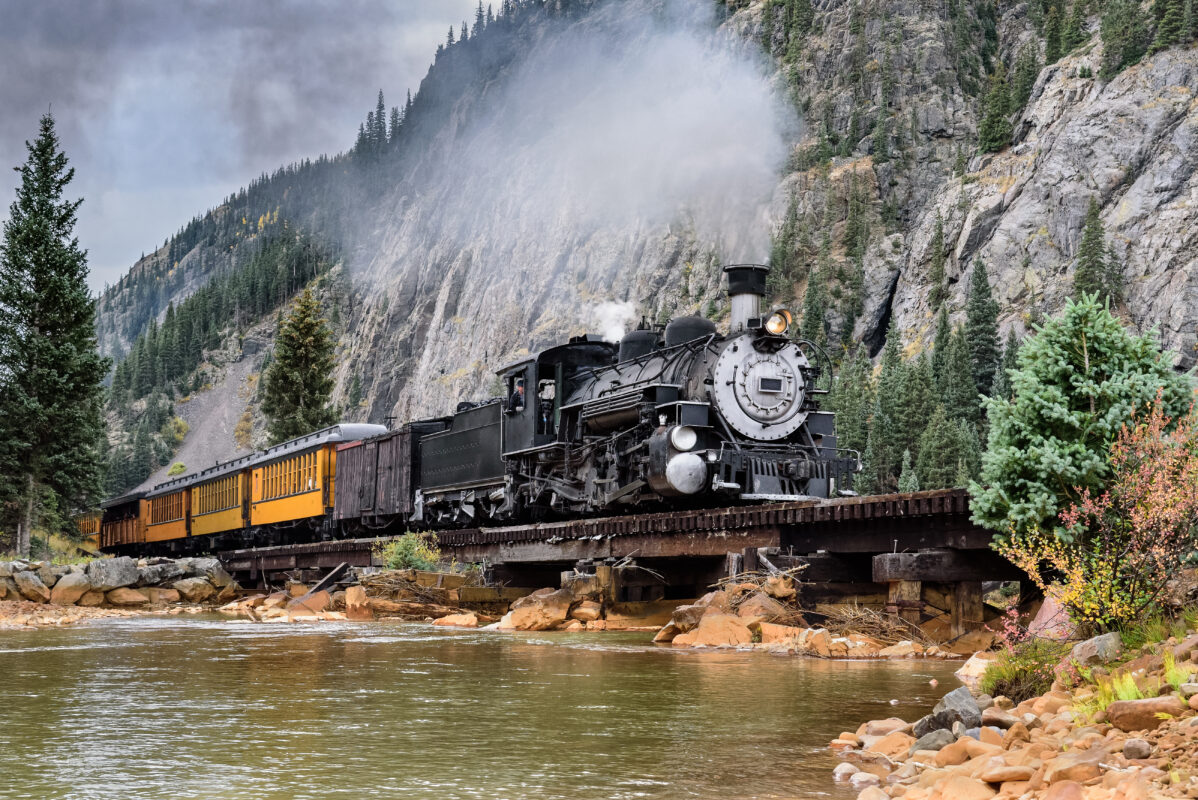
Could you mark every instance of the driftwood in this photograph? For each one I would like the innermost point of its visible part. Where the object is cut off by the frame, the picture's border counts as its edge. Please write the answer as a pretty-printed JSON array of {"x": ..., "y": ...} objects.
[{"x": 886, "y": 628}]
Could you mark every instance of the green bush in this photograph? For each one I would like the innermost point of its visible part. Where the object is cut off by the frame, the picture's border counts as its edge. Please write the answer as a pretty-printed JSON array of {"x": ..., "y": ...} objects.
[
  {"x": 1024, "y": 671},
  {"x": 410, "y": 551}
]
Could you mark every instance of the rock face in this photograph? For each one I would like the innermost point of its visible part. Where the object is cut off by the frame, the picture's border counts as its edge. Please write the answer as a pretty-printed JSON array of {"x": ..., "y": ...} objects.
[
  {"x": 70, "y": 588},
  {"x": 106, "y": 574}
]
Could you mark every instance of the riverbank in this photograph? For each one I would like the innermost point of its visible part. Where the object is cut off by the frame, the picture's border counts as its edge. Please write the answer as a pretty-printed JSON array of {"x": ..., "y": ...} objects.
[{"x": 1118, "y": 723}]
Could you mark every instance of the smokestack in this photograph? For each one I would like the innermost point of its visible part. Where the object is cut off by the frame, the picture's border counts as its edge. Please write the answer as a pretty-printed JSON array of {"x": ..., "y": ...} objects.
[{"x": 746, "y": 287}]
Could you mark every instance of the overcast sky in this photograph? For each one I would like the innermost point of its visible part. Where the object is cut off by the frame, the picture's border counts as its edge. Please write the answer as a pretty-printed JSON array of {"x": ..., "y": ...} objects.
[{"x": 166, "y": 107}]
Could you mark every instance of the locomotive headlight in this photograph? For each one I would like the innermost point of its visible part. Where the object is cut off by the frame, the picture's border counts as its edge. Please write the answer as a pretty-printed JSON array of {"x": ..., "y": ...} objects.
[
  {"x": 684, "y": 438},
  {"x": 778, "y": 322}
]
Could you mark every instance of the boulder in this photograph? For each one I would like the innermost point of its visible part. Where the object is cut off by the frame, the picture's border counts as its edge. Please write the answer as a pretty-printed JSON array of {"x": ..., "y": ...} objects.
[
  {"x": 586, "y": 611},
  {"x": 194, "y": 590},
  {"x": 154, "y": 574},
  {"x": 1098, "y": 650},
  {"x": 972, "y": 670},
  {"x": 124, "y": 596},
  {"x": 107, "y": 574},
  {"x": 763, "y": 607},
  {"x": 48, "y": 575},
  {"x": 6, "y": 569},
  {"x": 1134, "y": 749},
  {"x": 212, "y": 569},
  {"x": 956, "y": 706},
  {"x": 1143, "y": 715},
  {"x": 844, "y": 770},
  {"x": 91, "y": 598},
  {"x": 884, "y": 727},
  {"x": 1051, "y": 622},
  {"x": 934, "y": 740},
  {"x": 466, "y": 620},
  {"x": 778, "y": 634},
  {"x": 159, "y": 596},
  {"x": 1065, "y": 790},
  {"x": 539, "y": 611},
  {"x": 31, "y": 587},
  {"x": 718, "y": 600},
  {"x": 960, "y": 787},
  {"x": 1075, "y": 765},
  {"x": 873, "y": 793},
  {"x": 314, "y": 602},
  {"x": 716, "y": 630},
  {"x": 901, "y": 650},
  {"x": 357, "y": 605},
  {"x": 860, "y": 780},
  {"x": 998, "y": 771},
  {"x": 893, "y": 744},
  {"x": 8, "y": 589},
  {"x": 998, "y": 718},
  {"x": 70, "y": 588}
]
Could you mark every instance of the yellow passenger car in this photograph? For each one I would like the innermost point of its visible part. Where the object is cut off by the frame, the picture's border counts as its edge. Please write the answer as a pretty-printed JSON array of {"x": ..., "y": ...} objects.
[
  {"x": 169, "y": 509},
  {"x": 220, "y": 498},
  {"x": 88, "y": 526},
  {"x": 296, "y": 480},
  {"x": 123, "y": 522}
]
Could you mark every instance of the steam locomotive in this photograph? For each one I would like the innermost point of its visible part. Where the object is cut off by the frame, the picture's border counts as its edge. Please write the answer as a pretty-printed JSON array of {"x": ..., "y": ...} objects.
[{"x": 670, "y": 417}]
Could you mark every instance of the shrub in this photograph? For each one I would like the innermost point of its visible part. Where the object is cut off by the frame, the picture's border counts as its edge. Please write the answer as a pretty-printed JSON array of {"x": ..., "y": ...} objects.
[
  {"x": 410, "y": 551},
  {"x": 1024, "y": 671},
  {"x": 176, "y": 469},
  {"x": 1121, "y": 686},
  {"x": 1125, "y": 543}
]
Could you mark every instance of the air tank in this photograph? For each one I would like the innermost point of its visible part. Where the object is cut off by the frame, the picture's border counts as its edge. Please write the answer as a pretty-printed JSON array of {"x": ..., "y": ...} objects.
[{"x": 686, "y": 329}]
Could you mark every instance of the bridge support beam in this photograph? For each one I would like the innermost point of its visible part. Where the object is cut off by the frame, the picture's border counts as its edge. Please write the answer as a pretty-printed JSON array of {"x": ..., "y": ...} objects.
[
  {"x": 905, "y": 598},
  {"x": 967, "y": 613}
]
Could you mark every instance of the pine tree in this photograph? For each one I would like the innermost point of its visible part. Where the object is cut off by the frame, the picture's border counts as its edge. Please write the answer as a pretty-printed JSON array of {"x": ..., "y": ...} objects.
[
  {"x": 1072, "y": 35},
  {"x": 886, "y": 438},
  {"x": 852, "y": 399},
  {"x": 908, "y": 482},
  {"x": 449, "y": 40},
  {"x": 939, "y": 449},
  {"x": 916, "y": 400},
  {"x": 936, "y": 276},
  {"x": 940, "y": 345},
  {"x": 1023, "y": 79},
  {"x": 480, "y": 18},
  {"x": 379, "y": 134},
  {"x": 1124, "y": 34},
  {"x": 981, "y": 329},
  {"x": 51, "y": 397},
  {"x": 1090, "y": 275},
  {"x": 299, "y": 383},
  {"x": 1170, "y": 30},
  {"x": 1052, "y": 35},
  {"x": 396, "y": 123},
  {"x": 355, "y": 387},
  {"x": 1001, "y": 388},
  {"x": 994, "y": 131},
  {"x": 959, "y": 392},
  {"x": 814, "y": 324},
  {"x": 1114, "y": 275}
]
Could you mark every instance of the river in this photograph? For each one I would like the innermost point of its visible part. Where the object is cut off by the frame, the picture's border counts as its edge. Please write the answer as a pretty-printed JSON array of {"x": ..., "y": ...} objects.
[{"x": 158, "y": 707}]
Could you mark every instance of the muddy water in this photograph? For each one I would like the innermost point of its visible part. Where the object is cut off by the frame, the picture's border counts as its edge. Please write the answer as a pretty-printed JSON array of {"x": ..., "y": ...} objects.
[{"x": 201, "y": 708}]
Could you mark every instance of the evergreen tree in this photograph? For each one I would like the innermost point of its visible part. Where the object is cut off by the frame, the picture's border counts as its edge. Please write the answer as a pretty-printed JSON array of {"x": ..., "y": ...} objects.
[
  {"x": 1090, "y": 275},
  {"x": 908, "y": 482},
  {"x": 50, "y": 370},
  {"x": 299, "y": 383},
  {"x": 1079, "y": 380},
  {"x": 379, "y": 134},
  {"x": 940, "y": 346},
  {"x": 1052, "y": 35},
  {"x": 936, "y": 277},
  {"x": 449, "y": 40},
  {"x": 1001, "y": 388},
  {"x": 1114, "y": 275},
  {"x": 916, "y": 400},
  {"x": 1170, "y": 31},
  {"x": 960, "y": 393},
  {"x": 994, "y": 131},
  {"x": 1124, "y": 34},
  {"x": 939, "y": 449},
  {"x": 1073, "y": 35},
  {"x": 480, "y": 18},
  {"x": 886, "y": 437},
  {"x": 1023, "y": 79},
  {"x": 852, "y": 399},
  {"x": 396, "y": 123},
  {"x": 355, "y": 387},
  {"x": 981, "y": 329},
  {"x": 814, "y": 325}
]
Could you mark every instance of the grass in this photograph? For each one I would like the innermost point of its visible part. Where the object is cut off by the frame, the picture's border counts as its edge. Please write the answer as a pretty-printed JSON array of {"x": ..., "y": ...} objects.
[
  {"x": 1158, "y": 627},
  {"x": 1175, "y": 675},
  {"x": 1121, "y": 686},
  {"x": 1026, "y": 671}
]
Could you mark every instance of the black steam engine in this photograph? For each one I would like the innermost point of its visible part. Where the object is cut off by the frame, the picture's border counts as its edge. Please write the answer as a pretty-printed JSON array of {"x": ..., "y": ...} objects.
[{"x": 677, "y": 416}]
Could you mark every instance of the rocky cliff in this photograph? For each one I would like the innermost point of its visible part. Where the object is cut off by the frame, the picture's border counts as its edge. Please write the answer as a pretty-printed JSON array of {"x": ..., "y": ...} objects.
[{"x": 599, "y": 157}]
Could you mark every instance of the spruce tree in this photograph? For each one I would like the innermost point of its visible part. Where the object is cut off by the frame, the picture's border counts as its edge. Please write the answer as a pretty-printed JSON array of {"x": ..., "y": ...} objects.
[
  {"x": 960, "y": 394},
  {"x": 908, "y": 481},
  {"x": 1073, "y": 35},
  {"x": 852, "y": 399},
  {"x": 940, "y": 345},
  {"x": 1124, "y": 34},
  {"x": 981, "y": 329},
  {"x": 1023, "y": 78},
  {"x": 1001, "y": 387},
  {"x": 814, "y": 324},
  {"x": 51, "y": 426},
  {"x": 1114, "y": 275},
  {"x": 916, "y": 400},
  {"x": 939, "y": 451},
  {"x": 299, "y": 382},
  {"x": 1052, "y": 35},
  {"x": 1170, "y": 31},
  {"x": 936, "y": 277},
  {"x": 1079, "y": 380},
  {"x": 1090, "y": 275},
  {"x": 994, "y": 131}
]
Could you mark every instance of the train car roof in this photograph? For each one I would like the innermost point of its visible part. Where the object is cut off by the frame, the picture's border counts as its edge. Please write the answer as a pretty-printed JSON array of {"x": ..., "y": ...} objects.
[
  {"x": 131, "y": 497},
  {"x": 173, "y": 485},
  {"x": 344, "y": 432},
  {"x": 221, "y": 469}
]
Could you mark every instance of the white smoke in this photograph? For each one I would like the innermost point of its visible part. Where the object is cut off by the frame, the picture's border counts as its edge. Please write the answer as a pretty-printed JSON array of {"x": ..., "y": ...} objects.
[{"x": 613, "y": 319}]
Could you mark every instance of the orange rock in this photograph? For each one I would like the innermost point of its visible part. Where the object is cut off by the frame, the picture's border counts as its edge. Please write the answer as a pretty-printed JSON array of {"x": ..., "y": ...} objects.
[
  {"x": 893, "y": 744},
  {"x": 161, "y": 596},
  {"x": 959, "y": 787},
  {"x": 467, "y": 620},
  {"x": 297, "y": 590},
  {"x": 990, "y": 736},
  {"x": 586, "y": 611},
  {"x": 781, "y": 634},
  {"x": 901, "y": 650},
  {"x": 953, "y": 754},
  {"x": 1065, "y": 790},
  {"x": 1143, "y": 715},
  {"x": 716, "y": 630},
  {"x": 998, "y": 771},
  {"x": 126, "y": 597},
  {"x": 1016, "y": 733},
  {"x": 357, "y": 605},
  {"x": 92, "y": 598},
  {"x": 1075, "y": 765},
  {"x": 315, "y": 602}
]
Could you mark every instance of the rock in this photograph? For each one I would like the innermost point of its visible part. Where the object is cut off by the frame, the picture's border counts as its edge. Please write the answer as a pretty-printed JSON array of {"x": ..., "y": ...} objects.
[
  {"x": 956, "y": 706},
  {"x": 1188, "y": 690},
  {"x": 972, "y": 642},
  {"x": 1098, "y": 650},
  {"x": 717, "y": 600},
  {"x": 194, "y": 590},
  {"x": 1051, "y": 622},
  {"x": 998, "y": 718},
  {"x": 778, "y": 634},
  {"x": 960, "y": 787},
  {"x": 1075, "y": 765},
  {"x": 893, "y": 744},
  {"x": 873, "y": 793},
  {"x": 163, "y": 572},
  {"x": 972, "y": 670},
  {"x": 357, "y": 604},
  {"x": 159, "y": 596},
  {"x": 763, "y": 607},
  {"x": 8, "y": 589},
  {"x": 70, "y": 588},
  {"x": 1134, "y": 749},
  {"x": 466, "y": 620},
  {"x": 988, "y": 735},
  {"x": 212, "y": 569},
  {"x": 859, "y": 780},
  {"x": 573, "y": 626},
  {"x": 48, "y": 575},
  {"x": 844, "y": 770},
  {"x": 6, "y": 569},
  {"x": 1016, "y": 733},
  {"x": 884, "y": 727},
  {"x": 586, "y": 611},
  {"x": 540, "y": 611},
  {"x": 1065, "y": 790},
  {"x": 901, "y": 650},
  {"x": 716, "y": 630},
  {"x": 124, "y": 596},
  {"x": 1193, "y": 702},
  {"x": 1142, "y": 715},
  {"x": 112, "y": 573},
  {"x": 31, "y": 587},
  {"x": 933, "y": 740},
  {"x": 92, "y": 598},
  {"x": 998, "y": 771},
  {"x": 780, "y": 587}
]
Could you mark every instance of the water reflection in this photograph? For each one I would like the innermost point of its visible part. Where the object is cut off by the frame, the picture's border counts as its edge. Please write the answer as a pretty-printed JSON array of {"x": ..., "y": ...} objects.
[{"x": 202, "y": 708}]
